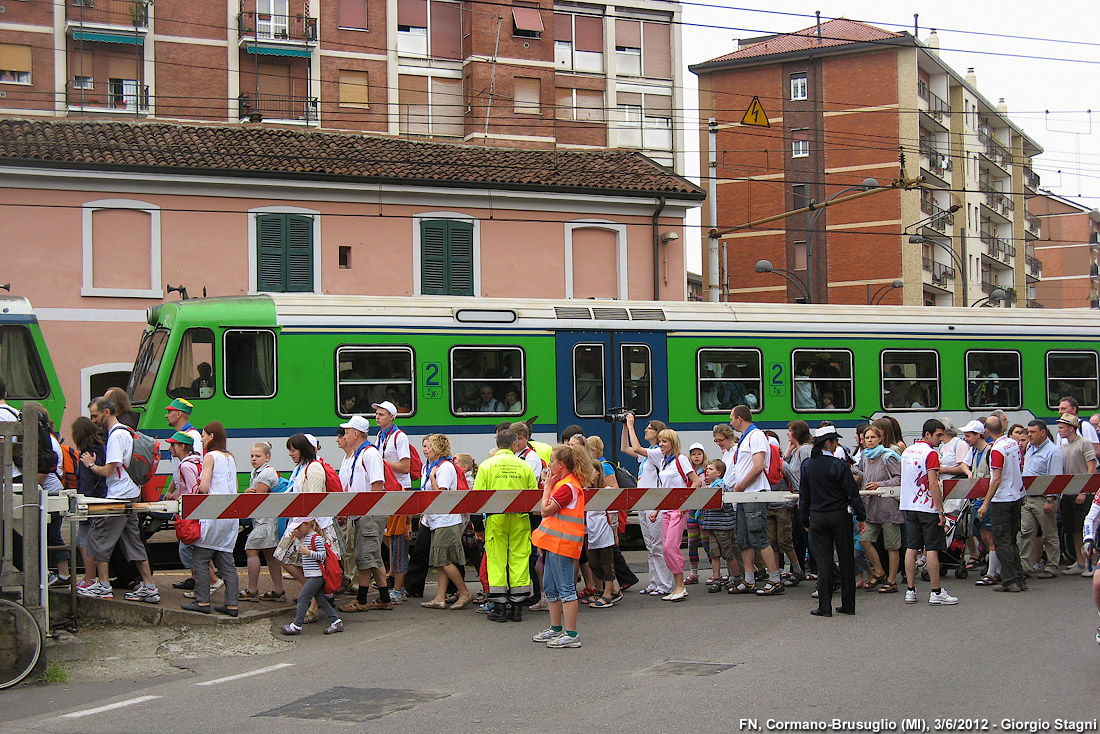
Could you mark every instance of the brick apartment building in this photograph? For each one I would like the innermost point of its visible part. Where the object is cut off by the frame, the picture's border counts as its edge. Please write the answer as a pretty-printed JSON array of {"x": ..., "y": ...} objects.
[
  {"x": 1070, "y": 253},
  {"x": 530, "y": 74},
  {"x": 847, "y": 101}
]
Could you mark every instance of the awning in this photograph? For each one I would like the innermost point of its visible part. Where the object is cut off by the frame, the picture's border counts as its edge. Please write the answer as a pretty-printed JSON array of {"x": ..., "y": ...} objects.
[
  {"x": 133, "y": 40},
  {"x": 527, "y": 19},
  {"x": 278, "y": 51}
]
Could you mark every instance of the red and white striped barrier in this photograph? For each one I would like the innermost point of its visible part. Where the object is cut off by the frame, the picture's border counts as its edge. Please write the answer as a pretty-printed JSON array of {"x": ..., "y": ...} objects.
[{"x": 356, "y": 504}]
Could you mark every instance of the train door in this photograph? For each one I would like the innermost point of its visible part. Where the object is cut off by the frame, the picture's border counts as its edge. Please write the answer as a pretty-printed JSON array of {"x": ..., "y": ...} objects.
[{"x": 603, "y": 374}]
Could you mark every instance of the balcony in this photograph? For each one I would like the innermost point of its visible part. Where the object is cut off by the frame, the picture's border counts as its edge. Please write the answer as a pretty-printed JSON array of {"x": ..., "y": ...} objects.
[
  {"x": 989, "y": 286},
  {"x": 937, "y": 108},
  {"x": 278, "y": 107},
  {"x": 997, "y": 247},
  {"x": 1032, "y": 303},
  {"x": 938, "y": 163},
  {"x": 940, "y": 272},
  {"x": 993, "y": 150},
  {"x": 1031, "y": 180},
  {"x": 1032, "y": 223},
  {"x": 128, "y": 97},
  {"x": 939, "y": 218},
  {"x": 130, "y": 14},
  {"x": 279, "y": 30},
  {"x": 1034, "y": 266},
  {"x": 995, "y": 200}
]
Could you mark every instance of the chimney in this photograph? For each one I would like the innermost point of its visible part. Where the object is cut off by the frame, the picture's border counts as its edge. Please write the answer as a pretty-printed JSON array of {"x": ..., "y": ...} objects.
[
  {"x": 1001, "y": 106},
  {"x": 818, "y": 12},
  {"x": 933, "y": 43},
  {"x": 971, "y": 78}
]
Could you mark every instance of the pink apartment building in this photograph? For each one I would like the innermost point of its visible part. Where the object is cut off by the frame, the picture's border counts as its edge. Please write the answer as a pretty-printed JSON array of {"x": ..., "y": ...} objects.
[{"x": 102, "y": 217}]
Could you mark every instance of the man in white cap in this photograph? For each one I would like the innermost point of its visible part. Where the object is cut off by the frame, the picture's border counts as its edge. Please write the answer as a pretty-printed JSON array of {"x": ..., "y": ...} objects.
[
  {"x": 394, "y": 445},
  {"x": 362, "y": 471}
]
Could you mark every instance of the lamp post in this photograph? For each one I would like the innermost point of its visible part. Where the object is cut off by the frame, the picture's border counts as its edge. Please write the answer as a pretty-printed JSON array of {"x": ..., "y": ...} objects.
[
  {"x": 881, "y": 292},
  {"x": 765, "y": 266},
  {"x": 997, "y": 294},
  {"x": 813, "y": 211},
  {"x": 921, "y": 239}
]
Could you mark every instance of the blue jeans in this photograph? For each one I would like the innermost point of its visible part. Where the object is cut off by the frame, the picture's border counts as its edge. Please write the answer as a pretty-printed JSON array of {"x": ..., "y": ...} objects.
[
  {"x": 559, "y": 578},
  {"x": 314, "y": 588}
]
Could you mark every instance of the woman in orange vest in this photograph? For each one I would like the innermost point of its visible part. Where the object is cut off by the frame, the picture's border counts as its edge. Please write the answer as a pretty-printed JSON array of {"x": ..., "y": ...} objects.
[{"x": 561, "y": 536}]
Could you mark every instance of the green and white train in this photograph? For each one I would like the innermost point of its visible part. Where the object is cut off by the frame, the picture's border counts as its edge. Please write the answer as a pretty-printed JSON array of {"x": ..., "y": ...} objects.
[
  {"x": 24, "y": 359},
  {"x": 268, "y": 366}
]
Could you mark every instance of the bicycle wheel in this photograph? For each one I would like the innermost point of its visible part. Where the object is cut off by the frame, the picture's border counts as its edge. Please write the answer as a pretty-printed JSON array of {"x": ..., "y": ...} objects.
[{"x": 20, "y": 643}]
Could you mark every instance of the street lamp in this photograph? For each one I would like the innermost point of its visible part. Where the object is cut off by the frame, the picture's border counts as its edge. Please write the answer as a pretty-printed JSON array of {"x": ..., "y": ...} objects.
[
  {"x": 997, "y": 294},
  {"x": 814, "y": 211},
  {"x": 765, "y": 266},
  {"x": 881, "y": 292}
]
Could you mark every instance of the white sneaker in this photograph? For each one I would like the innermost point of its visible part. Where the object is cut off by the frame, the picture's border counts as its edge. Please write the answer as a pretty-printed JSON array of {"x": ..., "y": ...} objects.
[
  {"x": 147, "y": 593},
  {"x": 564, "y": 640},
  {"x": 942, "y": 598},
  {"x": 546, "y": 635},
  {"x": 910, "y": 596},
  {"x": 647, "y": 590},
  {"x": 1087, "y": 573},
  {"x": 96, "y": 590}
]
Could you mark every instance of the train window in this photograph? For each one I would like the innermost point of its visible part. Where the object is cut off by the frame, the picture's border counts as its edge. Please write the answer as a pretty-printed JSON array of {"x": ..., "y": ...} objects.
[
  {"x": 487, "y": 380},
  {"x": 369, "y": 375},
  {"x": 147, "y": 366},
  {"x": 992, "y": 379},
  {"x": 588, "y": 381},
  {"x": 910, "y": 379},
  {"x": 193, "y": 375},
  {"x": 822, "y": 380},
  {"x": 249, "y": 357},
  {"x": 729, "y": 377},
  {"x": 22, "y": 367},
  {"x": 1073, "y": 375},
  {"x": 637, "y": 378}
]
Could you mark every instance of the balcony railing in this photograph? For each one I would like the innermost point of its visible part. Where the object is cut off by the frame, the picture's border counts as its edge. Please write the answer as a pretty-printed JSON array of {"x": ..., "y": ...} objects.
[
  {"x": 937, "y": 107},
  {"x": 278, "y": 107},
  {"x": 136, "y": 100},
  {"x": 1031, "y": 179},
  {"x": 940, "y": 219},
  {"x": 994, "y": 150},
  {"x": 1034, "y": 265},
  {"x": 937, "y": 161},
  {"x": 271, "y": 27},
  {"x": 997, "y": 247},
  {"x": 996, "y": 200},
  {"x": 988, "y": 286},
  {"x": 1032, "y": 303},
  {"x": 1032, "y": 222},
  {"x": 120, "y": 13},
  {"x": 940, "y": 272}
]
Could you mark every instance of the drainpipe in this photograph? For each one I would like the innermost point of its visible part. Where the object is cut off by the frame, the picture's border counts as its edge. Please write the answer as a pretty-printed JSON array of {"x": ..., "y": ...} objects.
[
  {"x": 712, "y": 246},
  {"x": 657, "y": 248}
]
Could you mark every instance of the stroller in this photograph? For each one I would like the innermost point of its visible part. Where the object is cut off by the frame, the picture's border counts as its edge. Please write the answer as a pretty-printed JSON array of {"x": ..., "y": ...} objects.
[{"x": 958, "y": 530}]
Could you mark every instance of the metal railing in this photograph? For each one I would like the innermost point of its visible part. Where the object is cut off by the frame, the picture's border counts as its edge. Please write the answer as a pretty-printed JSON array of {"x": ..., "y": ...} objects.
[
  {"x": 278, "y": 107},
  {"x": 1032, "y": 303},
  {"x": 937, "y": 107},
  {"x": 272, "y": 27},
  {"x": 937, "y": 161},
  {"x": 997, "y": 247},
  {"x": 106, "y": 100},
  {"x": 1031, "y": 179},
  {"x": 940, "y": 272},
  {"x": 1034, "y": 265},
  {"x": 122, "y": 13},
  {"x": 994, "y": 150},
  {"x": 1032, "y": 222},
  {"x": 988, "y": 286}
]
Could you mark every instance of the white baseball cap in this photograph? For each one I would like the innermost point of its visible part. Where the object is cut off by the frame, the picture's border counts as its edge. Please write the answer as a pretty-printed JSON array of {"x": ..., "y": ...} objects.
[
  {"x": 387, "y": 406},
  {"x": 974, "y": 426},
  {"x": 359, "y": 423},
  {"x": 697, "y": 446},
  {"x": 313, "y": 440}
]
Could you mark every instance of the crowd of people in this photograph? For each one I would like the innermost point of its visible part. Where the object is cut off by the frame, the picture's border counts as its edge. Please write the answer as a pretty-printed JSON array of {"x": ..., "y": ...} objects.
[{"x": 821, "y": 527}]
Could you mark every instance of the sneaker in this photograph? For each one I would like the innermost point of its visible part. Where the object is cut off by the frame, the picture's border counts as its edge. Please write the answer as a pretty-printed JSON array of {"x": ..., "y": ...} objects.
[
  {"x": 647, "y": 590},
  {"x": 1075, "y": 568},
  {"x": 144, "y": 592},
  {"x": 542, "y": 605},
  {"x": 546, "y": 635},
  {"x": 1087, "y": 573},
  {"x": 399, "y": 596},
  {"x": 942, "y": 598},
  {"x": 56, "y": 580},
  {"x": 911, "y": 596},
  {"x": 564, "y": 640},
  {"x": 97, "y": 590},
  {"x": 770, "y": 589},
  {"x": 84, "y": 584},
  {"x": 187, "y": 584},
  {"x": 291, "y": 629},
  {"x": 337, "y": 626}
]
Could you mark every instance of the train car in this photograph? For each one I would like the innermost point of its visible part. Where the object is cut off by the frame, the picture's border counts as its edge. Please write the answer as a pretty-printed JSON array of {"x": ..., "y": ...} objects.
[
  {"x": 268, "y": 366},
  {"x": 25, "y": 361}
]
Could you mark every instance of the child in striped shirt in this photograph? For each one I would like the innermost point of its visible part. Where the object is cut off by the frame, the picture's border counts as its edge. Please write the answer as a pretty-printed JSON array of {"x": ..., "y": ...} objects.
[{"x": 313, "y": 555}]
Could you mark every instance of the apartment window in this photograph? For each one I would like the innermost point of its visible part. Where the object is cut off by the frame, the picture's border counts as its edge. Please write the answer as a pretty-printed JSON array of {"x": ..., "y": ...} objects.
[
  {"x": 22, "y": 365},
  {"x": 352, "y": 14},
  {"x": 628, "y": 60},
  {"x": 800, "y": 255},
  {"x": 578, "y": 42},
  {"x": 345, "y": 257},
  {"x": 643, "y": 48},
  {"x": 412, "y": 40},
  {"x": 645, "y": 121},
  {"x": 1075, "y": 375},
  {"x": 526, "y": 95},
  {"x": 83, "y": 82},
  {"x": 447, "y": 258},
  {"x": 992, "y": 379},
  {"x": 799, "y": 87},
  {"x": 431, "y": 106},
  {"x": 580, "y": 105},
  {"x": 354, "y": 88},
  {"x": 369, "y": 375},
  {"x": 284, "y": 253},
  {"x": 193, "y": 374},
  {"x": 630, "y": 126},
  {"x": 800, "y": 148},
  {"x": 822, "y": 380},
  {"x": 729, "y": 377},
  {"x": 249, "y": 358},
  {"x": 123, "y": 94},
  {"x": 487, "y": 380},
  {"x": 910, "y": 379},
  {"x": 15, "y": 64},
  {"x": 526, "y": 22}
]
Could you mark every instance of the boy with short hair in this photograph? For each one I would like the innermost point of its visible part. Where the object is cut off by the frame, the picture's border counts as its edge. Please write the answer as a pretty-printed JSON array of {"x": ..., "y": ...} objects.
[{"x": 721, "y": 523}]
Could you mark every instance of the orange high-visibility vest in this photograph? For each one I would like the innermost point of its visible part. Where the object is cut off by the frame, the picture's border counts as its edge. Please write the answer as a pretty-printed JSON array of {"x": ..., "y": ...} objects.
[{"x": 563, "y": 532}]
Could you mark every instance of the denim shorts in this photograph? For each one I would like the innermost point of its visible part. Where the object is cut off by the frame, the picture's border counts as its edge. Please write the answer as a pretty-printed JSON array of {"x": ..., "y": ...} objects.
[
  {"x": 752, "y": 526},
  {"x": 559, "y": 578}
]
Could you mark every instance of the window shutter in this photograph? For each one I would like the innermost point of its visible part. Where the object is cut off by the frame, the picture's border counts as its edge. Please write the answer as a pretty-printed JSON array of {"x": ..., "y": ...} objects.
[
  {"x": 589, "y": 33},
  {"x": 299, "y": 253},
  {"x": 461, "y": 259},
  {"x": 351, "y": 14},
  {"x": 433, "y": 258},
  {"x": 269, "y": 253},
  {"x": 657, "y": 50}
]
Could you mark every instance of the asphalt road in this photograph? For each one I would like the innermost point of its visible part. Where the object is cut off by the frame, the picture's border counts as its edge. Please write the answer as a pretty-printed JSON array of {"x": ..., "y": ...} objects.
[{"x": 1029, "y": 658}]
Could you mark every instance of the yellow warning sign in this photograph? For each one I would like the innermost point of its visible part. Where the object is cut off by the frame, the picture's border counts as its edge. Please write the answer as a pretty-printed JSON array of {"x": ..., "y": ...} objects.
[{"x": 755, "y": 115}]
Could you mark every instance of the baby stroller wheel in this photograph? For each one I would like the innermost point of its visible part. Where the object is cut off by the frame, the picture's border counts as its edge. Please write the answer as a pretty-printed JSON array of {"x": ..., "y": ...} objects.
[
  {"x": 924, "y": 575},
  {"x": 961, "y": 573}
]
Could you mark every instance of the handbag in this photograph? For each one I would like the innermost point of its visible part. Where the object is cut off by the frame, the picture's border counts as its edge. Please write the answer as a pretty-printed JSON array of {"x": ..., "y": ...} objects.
[{"x": 188, "y": 531}]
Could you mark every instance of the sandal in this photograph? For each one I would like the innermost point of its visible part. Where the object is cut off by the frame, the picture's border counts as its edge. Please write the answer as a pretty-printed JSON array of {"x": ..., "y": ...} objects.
[
  {"x": 462, "y": 602},
  {"x": 247, "y": 595},
  {"x": 271, "y": 596},
  {"x": 692, "y": 578},
  {"x": 426, "y": 604},
  {"x": 888, "y": 588},
  {"x": 355, "y": 606},
  {"x": 602, "y": 602},
  {"x": 987, "y": 580},
  {"x": 311, "y": 617},
  {"x": 973, "y": 563}
]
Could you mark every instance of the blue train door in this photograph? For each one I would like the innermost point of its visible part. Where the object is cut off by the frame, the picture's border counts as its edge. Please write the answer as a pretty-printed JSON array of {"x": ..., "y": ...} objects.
[{"x": 601, "y": 374}]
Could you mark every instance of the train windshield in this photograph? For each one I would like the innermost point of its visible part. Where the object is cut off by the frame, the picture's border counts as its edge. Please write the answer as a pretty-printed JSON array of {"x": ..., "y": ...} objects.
[
  {"x": 146, "y": 366},
  {"x": 21, "y": 365}
]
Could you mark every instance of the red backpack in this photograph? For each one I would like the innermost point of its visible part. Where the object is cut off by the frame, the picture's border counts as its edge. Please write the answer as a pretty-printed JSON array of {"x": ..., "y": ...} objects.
[
  {"x": 390, "y": 482},
  {"x": 332, "y": 477},
  {"x": 774, "y": 463},
  {"x": 330, "y": 569},
  {"x": 70, "y": 460},
  {"x": 462, "y": 484},
  {"x": 416, "y": 464}
]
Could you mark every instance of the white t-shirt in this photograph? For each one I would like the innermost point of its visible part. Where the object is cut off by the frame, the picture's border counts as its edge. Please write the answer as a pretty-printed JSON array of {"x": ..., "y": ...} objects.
[
  {"x": 668, "y": 475},
  {"x": 600, "y": 534},
  {"x": 1006, "y": 457},
  {"x": 531, "y": 457},
  {"x": 953, "y": 452},
  {"x": 916, "y": 462},
  {"x": 120, "y": 449},
  {"x": 647, "y": 471},
  {"x": 11, "y": 415},
  {"x": 753, "y": 442},
  {"x": 729, "y": 458},
  {"x": 357, "y": 475},
  {"x": 52, "y": 483},
  {"x": 396, "y": 448},
  {"x": 445, "y": 478}
]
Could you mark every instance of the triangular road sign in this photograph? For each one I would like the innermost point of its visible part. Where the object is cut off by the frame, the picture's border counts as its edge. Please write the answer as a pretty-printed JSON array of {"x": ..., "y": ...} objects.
[{"x": 755, "y": 115}]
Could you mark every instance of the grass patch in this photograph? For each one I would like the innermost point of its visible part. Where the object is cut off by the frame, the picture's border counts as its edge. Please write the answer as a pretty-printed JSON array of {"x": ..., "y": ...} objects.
[{"x": 55, "y": 673}]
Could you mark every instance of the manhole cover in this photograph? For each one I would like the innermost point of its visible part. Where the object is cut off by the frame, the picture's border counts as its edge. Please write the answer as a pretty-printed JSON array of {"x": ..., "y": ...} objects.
[
  {"x": 354, "y": 704},
  {"x": 676, "y": 667}
]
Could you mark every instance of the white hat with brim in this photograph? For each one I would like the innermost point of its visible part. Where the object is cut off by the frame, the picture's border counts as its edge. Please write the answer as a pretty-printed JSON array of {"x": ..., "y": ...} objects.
[
  {"x": 823, "y": 434},
  {"x": 313, "y": 440},
  {"x": 974, "y": 426},
  {"x": 697, "y": 446},
  {"x": 359, "y": 423},
  {"x": 387, "y": 406}
]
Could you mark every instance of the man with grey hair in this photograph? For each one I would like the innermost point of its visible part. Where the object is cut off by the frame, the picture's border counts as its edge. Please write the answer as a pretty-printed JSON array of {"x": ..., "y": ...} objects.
[
  {"x": 1042, "y": 458},
  {"x": 1002, "y": 503}
]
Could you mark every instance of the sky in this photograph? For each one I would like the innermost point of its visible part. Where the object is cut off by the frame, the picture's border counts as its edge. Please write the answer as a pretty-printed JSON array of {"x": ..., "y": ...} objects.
[{"x": 1048, "y": 83}]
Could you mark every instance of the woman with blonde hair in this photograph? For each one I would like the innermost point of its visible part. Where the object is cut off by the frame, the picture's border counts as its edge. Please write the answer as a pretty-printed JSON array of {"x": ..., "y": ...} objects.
[{"x": 446, "y": 553}]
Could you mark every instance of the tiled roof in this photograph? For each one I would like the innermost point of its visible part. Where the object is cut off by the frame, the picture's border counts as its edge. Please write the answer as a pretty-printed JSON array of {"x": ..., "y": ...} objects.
[
  {"x": 838, "y": 32},
  {"x": 315, "y": 155}
]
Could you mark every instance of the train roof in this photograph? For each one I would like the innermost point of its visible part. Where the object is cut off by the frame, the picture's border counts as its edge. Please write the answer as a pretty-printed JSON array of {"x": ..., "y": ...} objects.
[
  {"x": 309, "y": 310},
  {"x": 16, "y": 308}
]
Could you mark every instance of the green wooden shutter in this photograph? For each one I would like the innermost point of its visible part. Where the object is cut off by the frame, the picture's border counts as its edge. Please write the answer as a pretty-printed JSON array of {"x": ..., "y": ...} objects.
[
  {"x": 299, "y": 253},
  {"x": 433, "y": 258},
  {"x": 269, "y": 253},
  {"x": 461, "y": 259}
]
